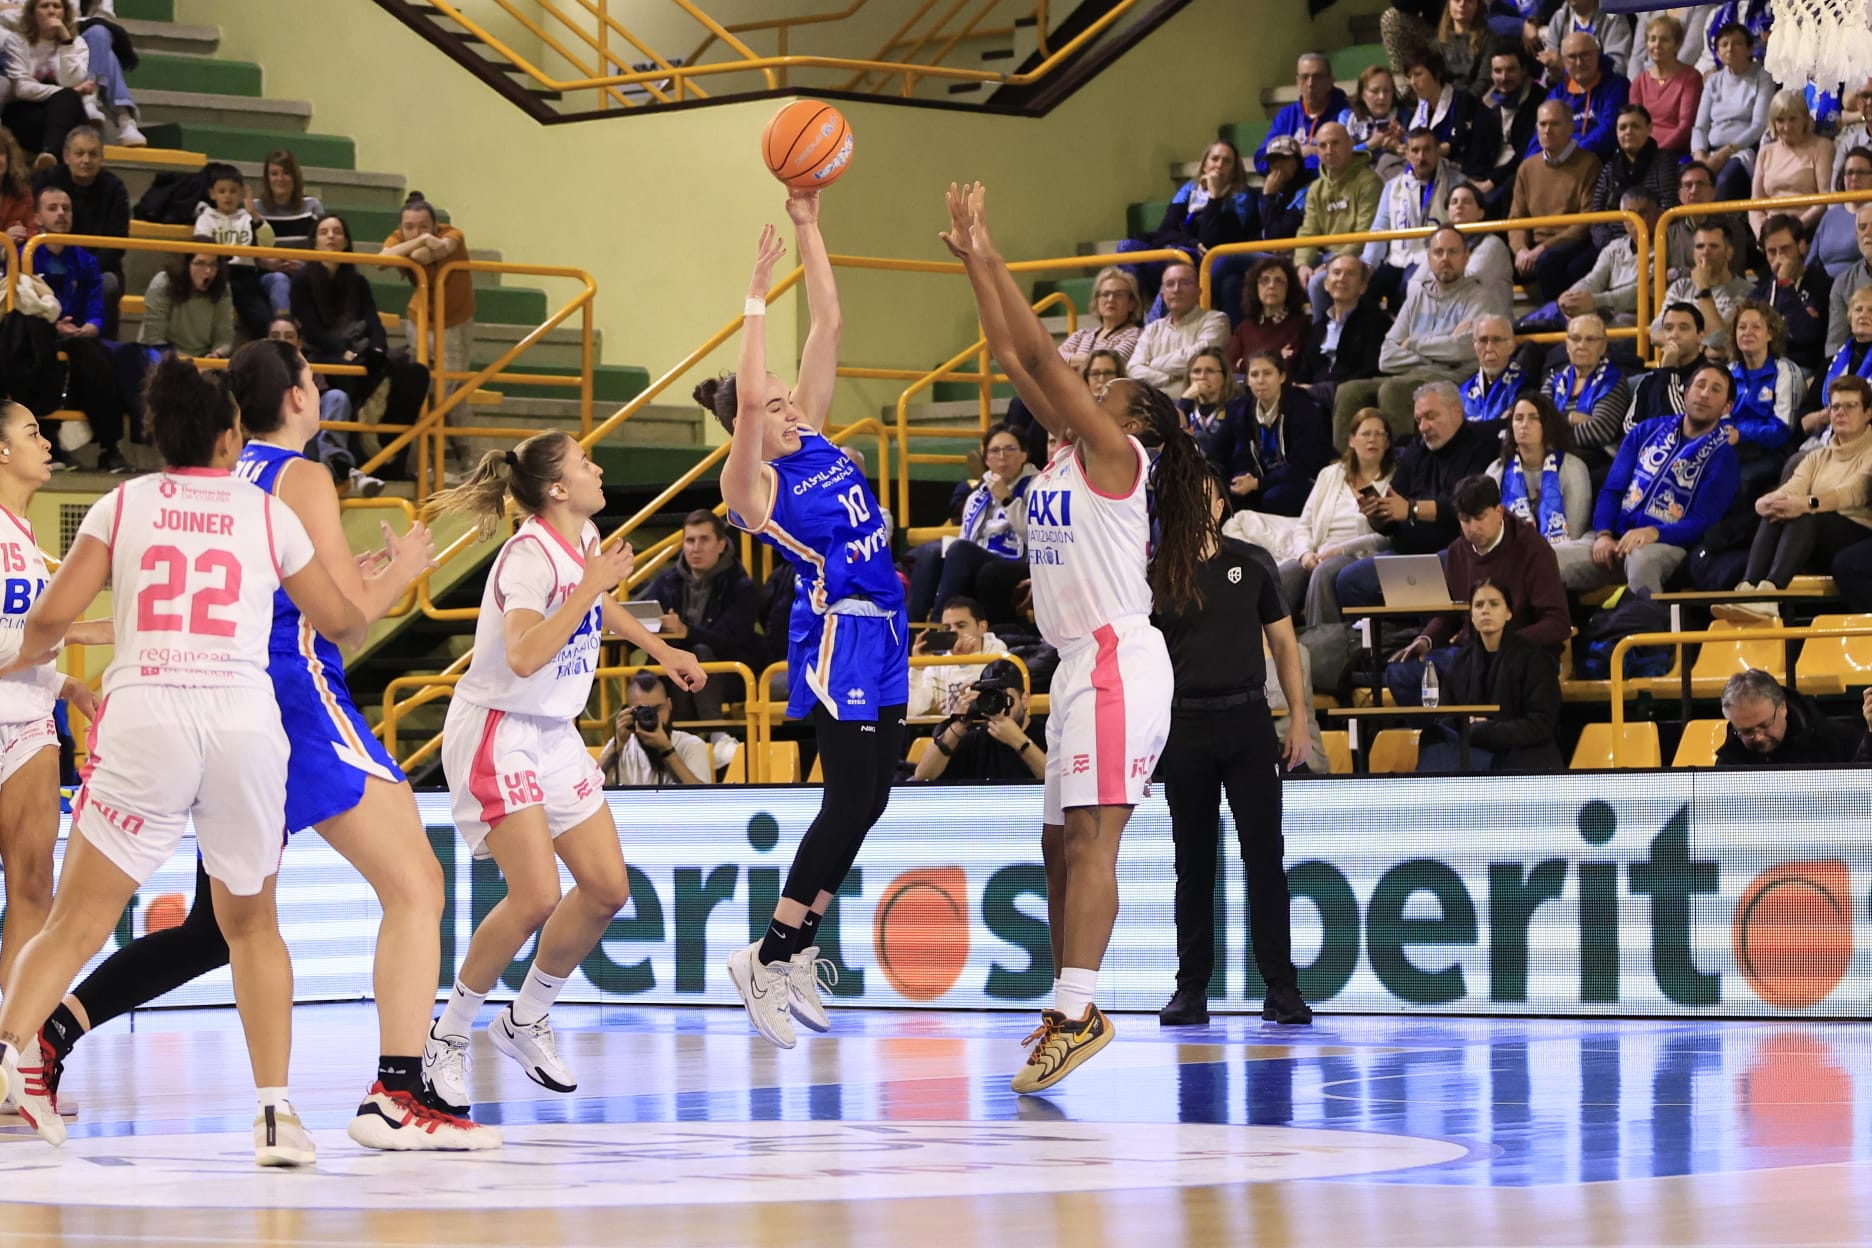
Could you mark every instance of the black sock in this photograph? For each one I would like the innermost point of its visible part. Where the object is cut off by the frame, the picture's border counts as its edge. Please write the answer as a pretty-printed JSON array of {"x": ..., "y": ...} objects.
[
  {"x": 400, "y": 1074},
  {"x": 62, "y": 1031},
  {"x": 808, "y": 930},
  {"x": 779, "y": 943}
]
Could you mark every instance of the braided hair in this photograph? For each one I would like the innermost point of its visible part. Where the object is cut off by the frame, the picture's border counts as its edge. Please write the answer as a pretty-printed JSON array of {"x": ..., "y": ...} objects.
[{"x": 1183, "y": 485}]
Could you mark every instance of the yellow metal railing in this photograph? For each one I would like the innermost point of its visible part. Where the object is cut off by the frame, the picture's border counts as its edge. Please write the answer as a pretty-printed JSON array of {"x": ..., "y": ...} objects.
[
  {"x": 456, "y": 388},
  {"x": 1680, "y": 640},
  {"x": 1660, "y": 246},
  {"x": 1635, "y": 223},
  {"x": 892, "y": 63}
]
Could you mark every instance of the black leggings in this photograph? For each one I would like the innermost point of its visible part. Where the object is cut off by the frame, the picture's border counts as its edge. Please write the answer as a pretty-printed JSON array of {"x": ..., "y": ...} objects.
[
  {"x": 859, "y": 760},
  {"x": 155, "y": 965}
]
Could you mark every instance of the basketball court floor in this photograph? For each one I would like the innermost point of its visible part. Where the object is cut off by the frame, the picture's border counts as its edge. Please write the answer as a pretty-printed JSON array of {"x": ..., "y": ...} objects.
[{"x": 898, "y": 1129}]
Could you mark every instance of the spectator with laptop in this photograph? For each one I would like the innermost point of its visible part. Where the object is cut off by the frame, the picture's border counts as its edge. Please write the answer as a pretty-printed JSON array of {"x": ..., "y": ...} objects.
[
  {"x": 1418, "y": 512},
  {"x": 1673, "y": 478},
  {"x": 1500, "y": 549}
]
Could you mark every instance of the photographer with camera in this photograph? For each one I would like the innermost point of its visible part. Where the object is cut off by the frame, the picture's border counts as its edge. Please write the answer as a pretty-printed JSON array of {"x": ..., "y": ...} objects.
[
  {"x": 987, "y": 739},
  {"x": 643, "y": 749},
  {"x": 942, "y": 689}
]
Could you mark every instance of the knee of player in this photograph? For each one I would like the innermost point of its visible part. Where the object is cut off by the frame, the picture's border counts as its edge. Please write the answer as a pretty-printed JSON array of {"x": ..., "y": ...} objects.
[
  {"x": 609, "y": 895},
  {"x": 28, "y": 876},
  {"x": 415, "y": 888},
  {"x": 535, "y": 905}
]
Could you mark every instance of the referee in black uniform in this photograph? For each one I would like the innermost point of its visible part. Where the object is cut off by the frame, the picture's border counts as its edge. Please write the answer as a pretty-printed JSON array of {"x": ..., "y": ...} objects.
[{"x": 1222, "y": 739}]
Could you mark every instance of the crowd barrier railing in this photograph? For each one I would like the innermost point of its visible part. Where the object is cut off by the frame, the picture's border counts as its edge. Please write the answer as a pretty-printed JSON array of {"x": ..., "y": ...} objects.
[
  {"x": 1679, "y": 640},
  {"x": 442, "y": 685},
  {"x": 1660, "y": 245},
  {"x": 684, "y": 77},
  {"x": 1634, "y": 224}
]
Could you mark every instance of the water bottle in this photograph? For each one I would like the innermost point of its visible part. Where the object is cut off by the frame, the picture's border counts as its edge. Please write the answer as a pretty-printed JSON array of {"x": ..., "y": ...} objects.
[{"x": 1429, "y": 686}]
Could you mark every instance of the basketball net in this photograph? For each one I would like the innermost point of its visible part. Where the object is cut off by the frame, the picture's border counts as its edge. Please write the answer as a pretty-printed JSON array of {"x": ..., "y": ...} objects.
[{"x": 1822, "y": 41}]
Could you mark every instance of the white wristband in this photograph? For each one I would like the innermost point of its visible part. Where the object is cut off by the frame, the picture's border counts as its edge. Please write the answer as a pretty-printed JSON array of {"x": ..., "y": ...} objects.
[{"x": 754, "y": 307}]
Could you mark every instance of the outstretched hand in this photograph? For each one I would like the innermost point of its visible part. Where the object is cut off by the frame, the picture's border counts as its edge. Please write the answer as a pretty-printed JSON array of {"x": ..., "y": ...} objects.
[
  {"x": 802, "y": 206},
  {"x": 766, "y": 256},
  {"x": 967, "y": 235}
]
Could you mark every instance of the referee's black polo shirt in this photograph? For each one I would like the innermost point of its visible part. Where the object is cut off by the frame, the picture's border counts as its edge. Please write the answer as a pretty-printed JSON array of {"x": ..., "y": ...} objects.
[{"x": 1216, "y": 648}]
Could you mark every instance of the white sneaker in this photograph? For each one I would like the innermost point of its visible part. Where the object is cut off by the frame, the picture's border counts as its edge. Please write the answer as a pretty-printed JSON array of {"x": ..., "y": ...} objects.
[
  {"x": 535, "y": 1047},
  {"x": 280, "y": 1139},
  {"x": 94, "y": 110},
  {"x": 445, "y": 1069},
  {"x": 364, "y": 485},
  {"x": 127, "y": 133},
  {"x": 803, "y": 987},
  {"x": 767, "y": 993},
  {"x": 32, "y": 1100},
  {"x": 73, "y": 434},
  {"x": 397, "y": 1122}
]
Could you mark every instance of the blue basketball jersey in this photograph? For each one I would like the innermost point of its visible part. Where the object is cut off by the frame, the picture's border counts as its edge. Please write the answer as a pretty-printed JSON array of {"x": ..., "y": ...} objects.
[
  {"x": 826, "y": 522},
  {"x": 333, "y": 750}
]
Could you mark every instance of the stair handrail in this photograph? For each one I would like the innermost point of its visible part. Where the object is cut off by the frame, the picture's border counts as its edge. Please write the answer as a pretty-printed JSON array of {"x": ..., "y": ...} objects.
[
  {"x": 767, "y": 65},
  {"x": 783, "y": 24},
  {"x": 1679, "y": 640},
  {"x": 902, "y": 38},
  {"x": 1635, "y": 223},
  {"x": 432, "y": 425}
]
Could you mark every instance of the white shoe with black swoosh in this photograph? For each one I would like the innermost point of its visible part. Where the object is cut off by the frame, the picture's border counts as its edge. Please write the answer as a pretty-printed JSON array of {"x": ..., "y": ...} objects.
[{"x": 767, "y": 993}]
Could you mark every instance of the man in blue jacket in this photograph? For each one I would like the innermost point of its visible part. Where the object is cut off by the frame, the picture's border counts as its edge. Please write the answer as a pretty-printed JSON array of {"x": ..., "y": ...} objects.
[
  {"x": 1593, "y": 92},
  {"x": 1673, "y": 478},
  {"x": 78, "y": 284},
  {"x": 1320, "y": 101}
]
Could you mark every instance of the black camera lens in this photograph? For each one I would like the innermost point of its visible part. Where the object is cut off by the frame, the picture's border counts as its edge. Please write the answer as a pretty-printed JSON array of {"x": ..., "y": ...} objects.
[
  {"x": 646, "y": 717},
  {"x": 990, "y": 702}
]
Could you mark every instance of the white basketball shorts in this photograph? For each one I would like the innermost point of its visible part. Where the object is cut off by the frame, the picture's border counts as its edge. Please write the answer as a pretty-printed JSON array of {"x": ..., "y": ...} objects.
[
  {"x": 1109, "y": 718},
  {"x": 19, "y": 742},
  {"x": 162, "y": 755},
  {"x": 498, "y": 762}
]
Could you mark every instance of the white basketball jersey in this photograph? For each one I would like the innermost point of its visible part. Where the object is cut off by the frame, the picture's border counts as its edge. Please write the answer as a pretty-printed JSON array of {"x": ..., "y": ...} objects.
[
  {"x": 1087, "y": 552},
  {"x": 536, "y": 570},
  {"x": 196, "y": 555},
  {"x": 25, "y": 697}
]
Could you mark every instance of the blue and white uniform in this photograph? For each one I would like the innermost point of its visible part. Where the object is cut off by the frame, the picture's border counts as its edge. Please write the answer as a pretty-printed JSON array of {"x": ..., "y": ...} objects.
[
  {"x": 26, "y": 698},
  {"x": 332, "y": 747},
  {"x": 848, "y": 642}
]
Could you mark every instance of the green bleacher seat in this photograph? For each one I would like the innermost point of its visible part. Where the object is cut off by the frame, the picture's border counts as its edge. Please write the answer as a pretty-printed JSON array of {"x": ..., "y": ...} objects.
[
  {"x": 1246, "y": 135},
  {"x": 1141, "y": 219},
  {"x": 1079, "y": 288},
  {"x": 1353, "y": 61}
]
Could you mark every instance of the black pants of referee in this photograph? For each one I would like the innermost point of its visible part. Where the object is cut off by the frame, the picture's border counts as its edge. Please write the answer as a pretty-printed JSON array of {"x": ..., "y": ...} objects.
[{"x": 1220, "y": 745}]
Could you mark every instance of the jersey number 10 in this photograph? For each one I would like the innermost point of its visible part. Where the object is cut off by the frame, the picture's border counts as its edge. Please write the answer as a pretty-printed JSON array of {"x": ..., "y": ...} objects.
[
  {"x": 173, "y": 567},
  {"x": 857, "y": 510}
]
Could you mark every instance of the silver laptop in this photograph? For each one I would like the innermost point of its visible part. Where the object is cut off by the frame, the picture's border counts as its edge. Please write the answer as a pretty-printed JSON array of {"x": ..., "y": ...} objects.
[
  {"x": 648, "y": 612},
  {"x": 1412, "y": 580}
]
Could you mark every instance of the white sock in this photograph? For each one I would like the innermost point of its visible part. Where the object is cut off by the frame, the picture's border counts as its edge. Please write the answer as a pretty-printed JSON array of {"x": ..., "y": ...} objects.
[
  {"x": 1056, "y": 988},
  {"x": 274, "y": 1098},
  {"x": 1074, "y": 992},
  {"x": 459, "y": 1014},
  {"x": 536, "y": 996}
]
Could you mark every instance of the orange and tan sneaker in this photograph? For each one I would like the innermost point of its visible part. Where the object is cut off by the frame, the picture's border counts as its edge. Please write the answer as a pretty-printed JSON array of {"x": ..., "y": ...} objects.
[{"x": 1061, "y": 1046}]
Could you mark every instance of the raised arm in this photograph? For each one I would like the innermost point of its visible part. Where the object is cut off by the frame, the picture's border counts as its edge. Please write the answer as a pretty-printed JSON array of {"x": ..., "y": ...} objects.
[
  {"x": 818, "y": 368},
  {"x": 1022, "y": 343},
  {"x": 744, "y": 481}
]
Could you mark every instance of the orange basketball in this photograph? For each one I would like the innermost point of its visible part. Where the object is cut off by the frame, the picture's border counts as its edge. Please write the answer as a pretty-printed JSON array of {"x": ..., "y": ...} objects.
[
  {"x": 921, "y": 930},
  {"x": 807, "y": 145},
  {"x": 1794, "y": 932},
  {"x": 164, "y": 912}
]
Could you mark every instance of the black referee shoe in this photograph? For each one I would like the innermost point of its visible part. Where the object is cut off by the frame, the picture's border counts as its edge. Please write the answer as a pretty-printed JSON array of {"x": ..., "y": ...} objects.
[
  {"x": 1284, "y": 1005},
  {"x": 1188, "y": 1008}
]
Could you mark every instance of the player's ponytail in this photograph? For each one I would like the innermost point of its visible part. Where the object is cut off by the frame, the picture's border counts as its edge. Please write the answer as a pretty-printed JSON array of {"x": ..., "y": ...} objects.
[
  {"x": 718, "y": 398},
  {"x": 524, "y": 473},
  {"x": 261, "y": 375},
  {"x": 1183, "y": 486},
  {"x": 188, "y": 410}
]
